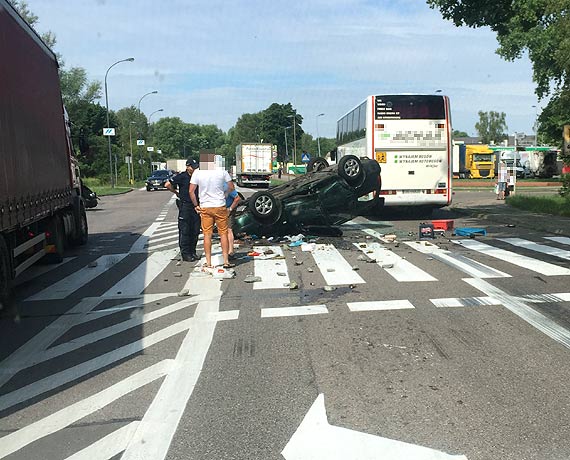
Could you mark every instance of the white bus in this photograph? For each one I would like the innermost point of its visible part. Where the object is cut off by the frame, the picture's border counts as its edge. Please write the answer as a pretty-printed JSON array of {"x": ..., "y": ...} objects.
[{"x": 410, "y": 136}]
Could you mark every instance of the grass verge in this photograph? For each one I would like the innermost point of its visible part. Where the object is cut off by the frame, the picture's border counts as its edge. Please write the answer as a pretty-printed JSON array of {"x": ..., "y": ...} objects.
[
  {"x": 103, "y": 190},
  {"x": 555, "y": 205}
]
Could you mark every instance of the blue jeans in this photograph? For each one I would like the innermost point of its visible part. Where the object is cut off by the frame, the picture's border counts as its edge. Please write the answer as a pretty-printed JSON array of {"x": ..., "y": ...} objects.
[{"x": 188, "y": 228}]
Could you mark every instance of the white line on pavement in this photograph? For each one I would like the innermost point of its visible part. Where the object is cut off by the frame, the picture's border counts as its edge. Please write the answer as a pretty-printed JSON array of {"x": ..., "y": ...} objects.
[
  {"x": 333, "y": 266},
  {"x": 268, "y": 269},
  {"x": 465, "y": 302},
  {"x": 542, "y": 248},
  {"x": 558, "y": 239},
  {"x": 294, "y": 311},
  {"x": 380, "y": 305},
  {"x": 109, "y": 446}
]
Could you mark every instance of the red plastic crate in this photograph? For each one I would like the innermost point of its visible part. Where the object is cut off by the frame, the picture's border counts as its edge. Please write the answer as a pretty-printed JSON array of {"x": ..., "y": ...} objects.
[{"x": 445, "y": 224}]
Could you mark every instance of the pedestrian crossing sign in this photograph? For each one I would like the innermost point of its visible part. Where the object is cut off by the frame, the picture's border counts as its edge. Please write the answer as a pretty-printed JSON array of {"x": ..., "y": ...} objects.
[{"x": 305, "y": 158}]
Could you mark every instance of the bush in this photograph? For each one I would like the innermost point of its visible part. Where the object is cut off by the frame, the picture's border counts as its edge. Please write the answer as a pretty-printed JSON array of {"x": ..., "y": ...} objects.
[{"x": 565, "y": 190}]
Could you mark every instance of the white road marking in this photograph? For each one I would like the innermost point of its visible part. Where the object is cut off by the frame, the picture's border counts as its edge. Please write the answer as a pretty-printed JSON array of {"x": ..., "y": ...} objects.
[
  {"x": 334, "y": 267},
  {"x": 545, "y": 298},
  {"x": 294, "y": 311},
  {"x": 75, "y": 281},
  {"x": 141, "y": 242},
  {"x": 380, "y": 305},
  {"x": 39, "y": 270},
  {"x": 109, "y": 446},
  {"x": 104, "y": 333},
  {"x": 171, "y": 244},
  {"x": 268, "y": 269},
  {"x": 139, "y": 279},
  {"x": 523, "y": 311},
  {"x": 471, "y": 267},
  {"x": 465, "y": 302},
  {"x": 400, "y": 269},
  {"x": 170, "y": 236},
  {"x": 46, "y": 426},
  {"x": 526, "y": 244},
  {"x": 544, "y": 268},
  {"x": 20, "y": 358},
  {"x": 132, "y": 303},
  {"x": 158, "y": 426},
  {"x": 558, "y": 239},
  {"x": 80, "y": 370},
  {"x": 372, "y": 232}
]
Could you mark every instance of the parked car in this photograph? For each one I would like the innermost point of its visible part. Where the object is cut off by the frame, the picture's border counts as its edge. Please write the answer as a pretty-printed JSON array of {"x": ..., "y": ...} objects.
[
  {"x": 89, "y": 196},
  {"x": 158, "y": 178},
  {"x": 317, "y": 202}
]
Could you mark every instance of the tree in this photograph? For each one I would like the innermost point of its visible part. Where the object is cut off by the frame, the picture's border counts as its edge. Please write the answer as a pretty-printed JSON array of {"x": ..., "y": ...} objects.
[
  {"x": 553, "y": 118},
  {"x": 539, "y": 27},
  {"x": 457, "y": 133},
  {"x": 491, "y": 127}
]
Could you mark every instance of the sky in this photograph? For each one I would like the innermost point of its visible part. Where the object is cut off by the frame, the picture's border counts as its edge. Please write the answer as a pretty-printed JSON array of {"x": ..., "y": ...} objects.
[{"x": 213, "y": 60}]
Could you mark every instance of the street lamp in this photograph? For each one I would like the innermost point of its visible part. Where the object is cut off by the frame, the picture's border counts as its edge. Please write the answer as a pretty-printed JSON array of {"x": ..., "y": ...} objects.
[
  {"x": 145, "y": 95},
  {"x": 130, "y": 164},
  {"x": 189, "y": 140},
  {"x": 318, "y": 138},
  {"x": 294, "y": 116},
  {"x": 107, "y": 106},
  {"x": 535, "y": 107},
  {"x": 286, "y": 149},
  {"x": 149, "y": 124}
]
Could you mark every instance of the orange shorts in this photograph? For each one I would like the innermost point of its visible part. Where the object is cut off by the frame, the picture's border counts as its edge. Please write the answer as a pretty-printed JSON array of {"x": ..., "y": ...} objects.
[{"x": 219, "y": 216}]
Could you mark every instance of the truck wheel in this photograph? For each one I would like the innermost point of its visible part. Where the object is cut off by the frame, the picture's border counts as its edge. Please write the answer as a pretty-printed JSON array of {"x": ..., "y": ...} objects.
[
  {"x": 316, "y": 164},
  {"x": 82, "y": 234},
  {"x": 5, "y": 274},
  {"x": 350, "y": 169},
  {"x": 57, "y": 238},
  {"x": 265, "y": 207}
]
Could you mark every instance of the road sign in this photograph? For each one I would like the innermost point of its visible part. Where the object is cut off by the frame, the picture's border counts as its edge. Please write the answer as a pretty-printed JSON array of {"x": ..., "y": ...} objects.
[
  {"x": 108, "y": 131},
  {"x": 305, "y": 158},
  {"x": 140, "y": 141},
  {"x": 150, "y": 149}
]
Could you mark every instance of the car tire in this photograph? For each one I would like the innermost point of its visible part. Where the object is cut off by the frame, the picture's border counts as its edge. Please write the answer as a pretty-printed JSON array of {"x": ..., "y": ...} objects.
[
  {"x": 148, "y": 189},
  {"x": 350, "y": 169},
  {"x": 265, "y": 207},
  {"x": 316, "y": 164}
]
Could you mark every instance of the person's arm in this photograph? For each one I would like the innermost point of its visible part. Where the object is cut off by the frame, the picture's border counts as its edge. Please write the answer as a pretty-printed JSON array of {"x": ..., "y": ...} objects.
[
  {"x": 192, "y": 192},
  {"x": 235, "y": 202},
  {"x": 170, "y": 187}
]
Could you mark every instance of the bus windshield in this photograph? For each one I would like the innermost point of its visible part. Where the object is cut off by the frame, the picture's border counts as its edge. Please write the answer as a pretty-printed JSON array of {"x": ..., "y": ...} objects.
[{"x": 409, "y": 107}]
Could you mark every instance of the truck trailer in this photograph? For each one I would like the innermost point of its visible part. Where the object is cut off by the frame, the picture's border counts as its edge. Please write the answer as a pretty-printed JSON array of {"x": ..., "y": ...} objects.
[
  {"x": 253, "y": 164},
  {"x": 473, "y": 161},
  {"x": 41, "y": 207}
]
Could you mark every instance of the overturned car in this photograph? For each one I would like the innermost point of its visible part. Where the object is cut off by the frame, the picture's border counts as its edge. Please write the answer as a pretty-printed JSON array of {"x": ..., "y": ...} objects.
[{"x": 317, "y": 202}]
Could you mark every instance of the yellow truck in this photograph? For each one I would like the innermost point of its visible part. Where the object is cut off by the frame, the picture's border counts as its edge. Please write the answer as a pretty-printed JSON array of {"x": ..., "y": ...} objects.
[{"x": 473, "y": 162}]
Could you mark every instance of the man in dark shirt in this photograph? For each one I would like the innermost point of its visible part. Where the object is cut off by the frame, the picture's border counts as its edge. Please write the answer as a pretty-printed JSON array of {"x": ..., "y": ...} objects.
[{"x": 188, "y": 218}]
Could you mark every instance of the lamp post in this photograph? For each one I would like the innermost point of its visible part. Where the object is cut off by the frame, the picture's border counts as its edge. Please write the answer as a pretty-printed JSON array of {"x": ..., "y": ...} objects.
[
  {"x": 294, "y": 116},
  {"x": 107, "y": 107},
  {"x": 130, "y": 165},
  {"x": 149, "y": 124},
  {"x": 189, "y": 140},
  {"x": 140, "y": 131},
  {"x": 535, "y": 127},
  {"x": 318, "y": 138},
  {"x": 286, "y": 149}
]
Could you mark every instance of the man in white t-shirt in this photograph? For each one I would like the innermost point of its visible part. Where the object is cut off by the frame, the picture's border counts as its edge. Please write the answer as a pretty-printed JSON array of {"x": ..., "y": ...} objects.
[{"x": 212, "y": 209}]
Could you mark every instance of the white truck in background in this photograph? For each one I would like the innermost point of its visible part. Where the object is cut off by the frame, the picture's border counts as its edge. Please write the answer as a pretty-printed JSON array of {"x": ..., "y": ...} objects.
[
  {"x": 253, "y": 164},
  {"x": 176, "y": 165}
]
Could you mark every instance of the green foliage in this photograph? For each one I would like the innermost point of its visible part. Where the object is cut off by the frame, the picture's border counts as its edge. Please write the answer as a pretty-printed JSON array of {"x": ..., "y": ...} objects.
[
  {"x": 76, "y": 88},
  {"x": 553, "y": 118},
  {"x": 457, "y": 133},
  {"x": 554, "y": 205},
  {"x": 539, "y": 27},
  {"x": 565, "y": 190},
  {"x": 491, "y": 127}
]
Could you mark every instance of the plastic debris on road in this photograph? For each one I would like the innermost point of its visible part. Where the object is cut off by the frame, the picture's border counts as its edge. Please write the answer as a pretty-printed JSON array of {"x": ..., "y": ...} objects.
[{"x": 469, "y": 231}]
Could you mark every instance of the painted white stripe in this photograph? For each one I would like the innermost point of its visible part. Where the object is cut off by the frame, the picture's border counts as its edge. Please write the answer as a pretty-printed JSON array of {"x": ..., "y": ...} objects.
[
  {"x": 104, "y": 333},
  {"x": 526, "y": 244},
  {"x": 158, "y": 426},
  {"x": 164, "y": 237},
  {"x": 139, "y": 279},
  {"x": 559, "y": 239},
  {"x": 17, "y": 440},
  {"x": 20, "y": 358},
  {"x": 73, "y": 282},
  {"x": 523, "y": 311},
  {"x": 76, "y": 372},
  {"x": 380, "y": 305},
  {"x": 294, "y": 311},
  {"x": 544, "y": 268},
  {"x": 268, "y": 269},
  {"x": 39, "y": 270},
  {"x": 140, "y": 243},
  {"x": 328, "y": 258},
  {"x": 173, "y": 244},
  {"x": 471, "y": 267},
  {"x": 109, "y": 446},
  {"x": 545, "y": 298},
  {"x": 402, "y": 270},
  {"x": 465, "y": 302},
  {"x": 223, "y": 315}
]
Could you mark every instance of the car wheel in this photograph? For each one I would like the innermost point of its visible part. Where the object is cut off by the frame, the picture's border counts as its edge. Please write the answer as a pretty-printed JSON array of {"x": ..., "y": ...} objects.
[
  {"x": 265, "y": 207},
  {"x": 57, "y": 238},
  {"x": 350, "y": 169},
  {"x": 316, "y": 164},
  {"x": 148, "y": 189}
]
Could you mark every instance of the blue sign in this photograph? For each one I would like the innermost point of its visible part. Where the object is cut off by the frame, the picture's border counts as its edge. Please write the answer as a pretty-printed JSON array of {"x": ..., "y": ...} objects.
[{"x": 305, "y": 158}]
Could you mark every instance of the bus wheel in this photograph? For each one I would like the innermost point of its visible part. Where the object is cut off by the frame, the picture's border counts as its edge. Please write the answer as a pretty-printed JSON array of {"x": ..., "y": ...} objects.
[
  {"x": 316, "y": 164},
  {"x": 350, "y": 169},
  {"x": 82, "y": 234},
  {"x": 265, "y": 207}
]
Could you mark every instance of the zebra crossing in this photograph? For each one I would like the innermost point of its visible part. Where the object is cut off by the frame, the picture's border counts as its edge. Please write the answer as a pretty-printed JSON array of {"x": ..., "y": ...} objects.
[{"x": 276, "y": 266}]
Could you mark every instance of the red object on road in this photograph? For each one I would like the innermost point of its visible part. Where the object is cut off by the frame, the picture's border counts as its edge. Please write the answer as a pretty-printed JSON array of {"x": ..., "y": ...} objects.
[{"x": 445, "y": 224}]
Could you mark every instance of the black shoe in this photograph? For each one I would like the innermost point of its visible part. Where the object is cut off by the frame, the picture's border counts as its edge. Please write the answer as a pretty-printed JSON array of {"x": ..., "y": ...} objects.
[
  {"x": 194, "y": 258},
  {"x": 188, "y": 259}
]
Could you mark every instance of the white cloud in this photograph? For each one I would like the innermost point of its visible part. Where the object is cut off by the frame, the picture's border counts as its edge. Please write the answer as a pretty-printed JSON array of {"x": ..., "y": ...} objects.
[{"x": 212, "y": 60}]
